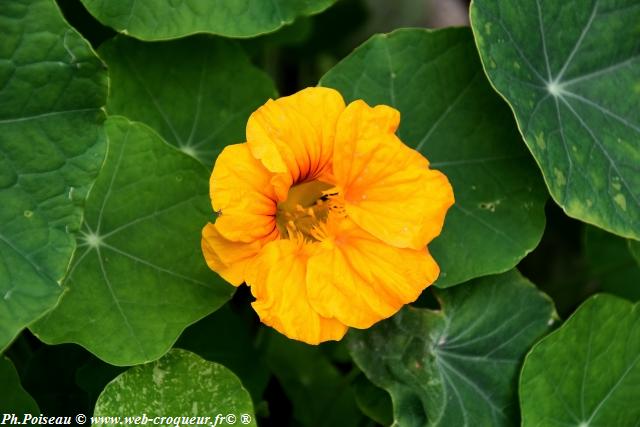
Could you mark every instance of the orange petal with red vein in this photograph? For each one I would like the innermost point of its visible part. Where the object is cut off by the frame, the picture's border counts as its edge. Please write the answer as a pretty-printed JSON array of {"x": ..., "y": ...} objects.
[
  {"x": 293, "y": 136},
  {"x": 242, "y": 193}
]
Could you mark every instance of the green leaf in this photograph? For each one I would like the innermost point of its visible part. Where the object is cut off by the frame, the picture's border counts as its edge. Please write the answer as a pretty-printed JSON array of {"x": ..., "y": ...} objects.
[
  {"x": 227, "y": 338},
  {"x": 571, "y": 73},
  {"x": 319, "y": 393},
  {"x": 611, "y": 265},
  {"x": 52, "y": 87},
  {"x": 587, "y": 373},
  {"x": 199, "y": 100},
  {"x": 162, "y": 20},
  {"x": 459, "y": 365},
  {"x": 139, "y": 277},
  {"x": 373, "y": 401},
  {"x": 452, "y": 116},
  {"x": 15, "y": 400},
  {"x": 181, "y": 384}
]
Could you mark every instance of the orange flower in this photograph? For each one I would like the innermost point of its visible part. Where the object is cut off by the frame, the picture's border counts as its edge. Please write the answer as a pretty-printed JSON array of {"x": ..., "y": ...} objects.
[{"x": 325, "y": 214}]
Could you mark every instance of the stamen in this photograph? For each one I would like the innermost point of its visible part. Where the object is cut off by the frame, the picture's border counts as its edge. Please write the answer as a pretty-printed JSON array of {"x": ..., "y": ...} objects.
[
  {"x": 319, "y": 232},
  {"x": 306, "y": 210}
]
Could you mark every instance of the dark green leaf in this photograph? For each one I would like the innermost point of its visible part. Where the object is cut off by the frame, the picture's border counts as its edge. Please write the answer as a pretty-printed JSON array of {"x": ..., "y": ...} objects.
[
  {"x": 457, "y": 366},
  {"x": 452, "y": 116},
  {"x": 571, "y": 73},
  {"x": 161, "y": 20},
  {"x": 52, "y": 88},
  {"x": 139, "y": 277},
  {"x": 197, "y": 93},
  {"x": 373, "y": 401},
  {"x": 610, "y": 264},
  {"x": 587, "y": 373}
]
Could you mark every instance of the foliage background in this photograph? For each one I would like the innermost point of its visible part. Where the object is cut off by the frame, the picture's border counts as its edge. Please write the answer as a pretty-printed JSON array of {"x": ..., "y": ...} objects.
[{"x": 459, "y": 351}]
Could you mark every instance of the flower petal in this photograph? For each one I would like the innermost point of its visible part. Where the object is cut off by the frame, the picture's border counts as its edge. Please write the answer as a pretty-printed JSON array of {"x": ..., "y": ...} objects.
[
  {"x": 387, "y": 187},
  {"x": 277, "y": 279},
  {"x": 227, "y": 258},
  {"x": 293, "y": 136},
  {"x": 241, "y": 191},
  {"x": 359, "y": 280},
  {"x": 360, "y": 121}
]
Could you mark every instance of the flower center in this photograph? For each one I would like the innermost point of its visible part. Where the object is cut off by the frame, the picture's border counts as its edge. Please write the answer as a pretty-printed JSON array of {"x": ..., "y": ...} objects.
[{"x": 305, "y": 210}]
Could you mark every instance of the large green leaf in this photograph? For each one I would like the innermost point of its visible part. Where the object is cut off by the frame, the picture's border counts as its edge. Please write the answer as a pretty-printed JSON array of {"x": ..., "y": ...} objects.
[
  {"x": 15, "y": 400},
  {"x": 162, "y": 20},
  {"x": 571, "y": 72},
  {"x": 139, "y": 277},
  {"x": 452, "y": 116},
  {"x": 610, "y": 264},
  {"x": 181, "y": 384},
  {"x": 197, "y": 93},
  {"x": 587, "y": 373},
  {"x": 52, "y": 87},
  {"x": 457, "y": 366}
]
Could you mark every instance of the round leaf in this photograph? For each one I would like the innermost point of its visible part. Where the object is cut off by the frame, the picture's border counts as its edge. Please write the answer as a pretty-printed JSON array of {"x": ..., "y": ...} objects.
[
  {"x": 161, "y": 20},
  {"x": 571, "y": 73},
  {"x": 587, "y": 373},
  {"x": 52, "y": 88},
  {"x": 182, "y": 90},
  {"x": 459, "y": 365},
  {"x": 452, "y": 116},
  {"x": 180, "y": 384},
  {"x": 139, "y": 277}
]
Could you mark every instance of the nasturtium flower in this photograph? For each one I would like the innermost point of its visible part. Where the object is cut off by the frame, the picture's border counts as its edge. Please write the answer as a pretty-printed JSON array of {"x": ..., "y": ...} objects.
[{"x": 325, "y": 214}]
